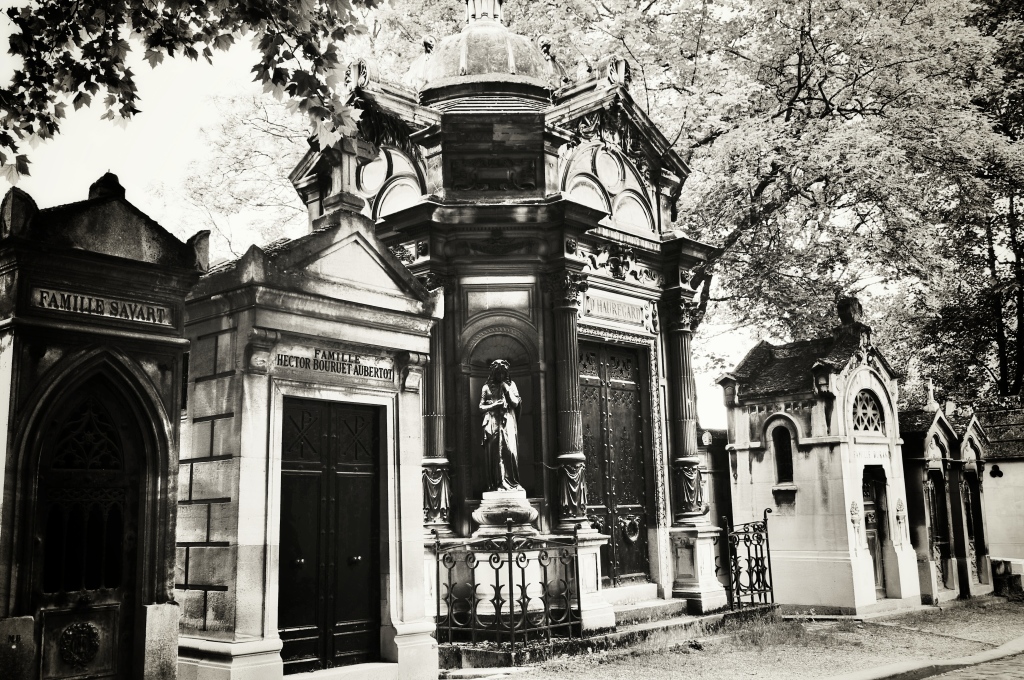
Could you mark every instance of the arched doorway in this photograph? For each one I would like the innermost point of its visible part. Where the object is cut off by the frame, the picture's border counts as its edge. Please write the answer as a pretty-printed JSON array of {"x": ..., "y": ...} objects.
[
  {"x": 876, "y": 522},
  {"x": 938, "y": 519},
  {"x": 85, "y": 528}
]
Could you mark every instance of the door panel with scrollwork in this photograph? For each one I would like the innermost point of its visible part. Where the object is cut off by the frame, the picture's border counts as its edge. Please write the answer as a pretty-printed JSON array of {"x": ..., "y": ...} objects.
[
  {"x": 614, "y": 442},
  {"x": 84, "y": 582}
]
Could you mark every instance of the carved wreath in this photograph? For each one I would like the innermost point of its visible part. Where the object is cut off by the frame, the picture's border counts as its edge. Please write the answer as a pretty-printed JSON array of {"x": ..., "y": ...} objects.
[{"x": 79, "y": 643}]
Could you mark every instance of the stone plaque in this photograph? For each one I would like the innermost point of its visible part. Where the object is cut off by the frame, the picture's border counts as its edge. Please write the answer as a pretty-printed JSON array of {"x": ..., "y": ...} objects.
[
  {"x": 479, "y": 301},
  {"x": 322, "y": 361},
  {"x": 613, "y": 309},
  {"x": 107, "y": 307}
]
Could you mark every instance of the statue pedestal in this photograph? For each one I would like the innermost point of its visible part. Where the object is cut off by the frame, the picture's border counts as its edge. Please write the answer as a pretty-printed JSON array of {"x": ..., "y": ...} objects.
[
  {"x": 693, "y": 556},
  {"x": 497, "y": 507}
]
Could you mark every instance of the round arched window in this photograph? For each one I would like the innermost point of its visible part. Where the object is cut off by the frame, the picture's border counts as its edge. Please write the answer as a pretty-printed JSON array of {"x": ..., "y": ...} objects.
[{"x": 867, "y": 413}]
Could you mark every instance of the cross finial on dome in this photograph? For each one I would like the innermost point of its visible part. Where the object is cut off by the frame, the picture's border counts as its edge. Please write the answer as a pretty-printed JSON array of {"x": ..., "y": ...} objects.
[{"x": 483, "y": 10}]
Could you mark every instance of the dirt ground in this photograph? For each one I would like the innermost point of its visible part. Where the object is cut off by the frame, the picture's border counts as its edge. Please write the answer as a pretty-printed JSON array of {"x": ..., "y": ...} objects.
[{"x": 776, "y": 649}]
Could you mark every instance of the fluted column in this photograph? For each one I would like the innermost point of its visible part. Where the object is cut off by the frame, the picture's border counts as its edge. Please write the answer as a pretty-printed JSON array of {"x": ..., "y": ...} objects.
[
  {"x": 688, "y": 503},
  {"x": 436, "y": 467},
  {"x": 565, "y": 289}
]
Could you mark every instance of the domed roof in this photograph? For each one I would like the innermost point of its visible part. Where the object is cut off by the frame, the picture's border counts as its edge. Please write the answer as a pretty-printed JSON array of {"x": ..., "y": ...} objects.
[{"x": 485, "y": 51}]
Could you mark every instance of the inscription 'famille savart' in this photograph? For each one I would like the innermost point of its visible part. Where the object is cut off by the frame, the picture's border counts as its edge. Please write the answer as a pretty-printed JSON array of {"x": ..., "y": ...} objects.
[{"x": 76, "y": 303}]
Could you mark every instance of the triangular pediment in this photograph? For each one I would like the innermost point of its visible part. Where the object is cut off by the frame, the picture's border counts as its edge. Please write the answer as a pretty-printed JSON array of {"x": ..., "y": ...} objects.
[{"x": 354, "y": 261}]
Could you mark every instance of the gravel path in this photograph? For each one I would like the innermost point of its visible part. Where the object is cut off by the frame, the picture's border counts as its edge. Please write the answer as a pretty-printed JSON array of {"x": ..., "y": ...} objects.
[
  {"x": 991, "y": 620},
  {"x": 801, "y": 649},
  {"x": 1001, "y": 669}
]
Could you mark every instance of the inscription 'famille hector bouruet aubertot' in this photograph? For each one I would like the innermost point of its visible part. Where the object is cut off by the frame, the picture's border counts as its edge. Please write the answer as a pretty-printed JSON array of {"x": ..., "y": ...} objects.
[
  {"x": 76, "y": 303},
  {"x": 337, "y": 362}
]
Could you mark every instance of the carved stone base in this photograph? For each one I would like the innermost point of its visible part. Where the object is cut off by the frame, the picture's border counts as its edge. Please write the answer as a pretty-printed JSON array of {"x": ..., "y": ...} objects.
[
  {"x": 497, "y": 507},
  {"x": 693, "y": 559}
]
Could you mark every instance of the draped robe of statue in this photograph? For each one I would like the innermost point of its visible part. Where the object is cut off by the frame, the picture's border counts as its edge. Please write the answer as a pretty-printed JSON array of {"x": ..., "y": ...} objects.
[{"x": 500, "y": 404}]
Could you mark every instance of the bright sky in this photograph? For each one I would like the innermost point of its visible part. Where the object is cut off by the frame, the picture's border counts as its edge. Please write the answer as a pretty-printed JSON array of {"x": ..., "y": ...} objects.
[{"x": 152, "y": 154}]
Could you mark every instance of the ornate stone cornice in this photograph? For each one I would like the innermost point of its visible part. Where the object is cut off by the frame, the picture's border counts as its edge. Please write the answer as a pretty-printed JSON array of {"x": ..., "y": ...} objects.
[
  {"x": 565, "y": 288},
  {"x": 435, "y": 280}
]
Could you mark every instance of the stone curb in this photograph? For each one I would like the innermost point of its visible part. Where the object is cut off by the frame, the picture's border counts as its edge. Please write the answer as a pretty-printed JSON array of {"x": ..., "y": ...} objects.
[{"x": 915, "y": 670}]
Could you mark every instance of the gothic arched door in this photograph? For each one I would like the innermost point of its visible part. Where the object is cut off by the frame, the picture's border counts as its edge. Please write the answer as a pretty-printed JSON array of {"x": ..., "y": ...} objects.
[{"x": 84, "y": 561}]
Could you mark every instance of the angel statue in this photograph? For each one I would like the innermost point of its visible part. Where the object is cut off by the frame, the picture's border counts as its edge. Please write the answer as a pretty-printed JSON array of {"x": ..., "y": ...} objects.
[{"x": 500, "y": 404}]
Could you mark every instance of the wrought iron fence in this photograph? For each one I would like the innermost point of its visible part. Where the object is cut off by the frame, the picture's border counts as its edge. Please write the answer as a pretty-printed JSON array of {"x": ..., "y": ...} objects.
[
  {"x": 750, "y": 563},
  {"x": 508, "y": 589}
]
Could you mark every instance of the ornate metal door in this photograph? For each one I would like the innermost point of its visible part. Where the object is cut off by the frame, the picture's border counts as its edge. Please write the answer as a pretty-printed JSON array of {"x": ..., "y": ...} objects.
[
  {"x": 329, "y": 593},
  {"x": 614, "y": 406},
  {"x": 874, "y": 528},
  {"x": 84, "y": 582}
]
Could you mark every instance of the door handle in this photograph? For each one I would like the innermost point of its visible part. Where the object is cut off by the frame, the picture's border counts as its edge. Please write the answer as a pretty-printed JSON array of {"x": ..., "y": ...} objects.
[
  {"x": 355, "y": 559},
  {"x": 298, "y": 562}
]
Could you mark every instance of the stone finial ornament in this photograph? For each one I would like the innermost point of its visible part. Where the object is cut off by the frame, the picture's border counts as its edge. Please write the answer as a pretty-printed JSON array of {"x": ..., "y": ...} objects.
[{"x": 850, "y": 311}]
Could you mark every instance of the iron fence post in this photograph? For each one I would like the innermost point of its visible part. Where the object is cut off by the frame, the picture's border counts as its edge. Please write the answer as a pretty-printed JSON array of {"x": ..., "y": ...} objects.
[
  {"x": 511, "y": 590},
  {"x": 730, "y": 562},
  {"x": 768, "y": 556},
  {"x": 579, "y": 583},
  {"x": 437, "y": 583}
]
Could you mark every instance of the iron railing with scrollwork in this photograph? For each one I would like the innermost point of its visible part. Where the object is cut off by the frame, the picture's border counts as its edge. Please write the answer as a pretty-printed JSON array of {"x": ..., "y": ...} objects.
[
  {"x": 508, "y": 589},
  {"x": 750, "y": 563}
]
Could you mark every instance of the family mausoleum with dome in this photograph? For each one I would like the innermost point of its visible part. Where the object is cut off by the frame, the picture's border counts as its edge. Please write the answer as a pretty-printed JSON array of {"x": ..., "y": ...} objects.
[{"x": 496, "y": 243}]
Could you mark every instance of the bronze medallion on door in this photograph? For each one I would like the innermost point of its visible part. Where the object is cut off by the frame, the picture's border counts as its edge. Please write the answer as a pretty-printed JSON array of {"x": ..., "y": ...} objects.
[
  {"x": 615, "y": 405},
  {"x": 329, "y": 593}
]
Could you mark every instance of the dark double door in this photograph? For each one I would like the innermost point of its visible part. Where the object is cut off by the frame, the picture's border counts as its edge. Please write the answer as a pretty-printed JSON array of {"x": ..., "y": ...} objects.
[
  {"x": 615, "y": 440},
  {"x": 873, "y": 492},
  {"x": 329, "y": 592}
]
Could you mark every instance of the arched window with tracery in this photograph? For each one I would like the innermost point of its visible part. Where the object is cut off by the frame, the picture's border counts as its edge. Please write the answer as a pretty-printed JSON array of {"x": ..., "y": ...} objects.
[{"x": 867, "y": 413}]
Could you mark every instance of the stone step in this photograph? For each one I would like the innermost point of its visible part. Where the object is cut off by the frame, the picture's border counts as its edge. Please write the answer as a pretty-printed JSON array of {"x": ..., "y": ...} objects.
[
  {"x": 631, "y": 594},
  {"x": 648, "y": 610}
]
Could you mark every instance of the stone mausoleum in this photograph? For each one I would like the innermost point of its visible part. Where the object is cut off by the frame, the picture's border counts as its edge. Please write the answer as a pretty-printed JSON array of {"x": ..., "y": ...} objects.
[
  {"x": 92, "y": 316},
  {"x": 944, "y": 467},
  {"x": 814, "y": 435},
  {"x": 490, "y": 218}
]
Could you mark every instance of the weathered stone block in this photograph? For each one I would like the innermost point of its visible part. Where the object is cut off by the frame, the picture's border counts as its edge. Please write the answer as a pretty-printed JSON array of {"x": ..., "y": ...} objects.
[
  {"x": 201, "y": 439},
  {"x": 223, "y": 522},
  {"x": 200, "y": 358},
  {"x": 213, "y": 397},
  {"x": 224, "y": 441},
  {"x": 215, "y": 479},
  {"x": 193, "y": 608},
  {"x": 220, "y": 610},
  {"x": 184, "y": 481},
  {"x": 225, "y": 352},
  {"x": 192, "y": 523},
  {"x": 212, "y": 566}
]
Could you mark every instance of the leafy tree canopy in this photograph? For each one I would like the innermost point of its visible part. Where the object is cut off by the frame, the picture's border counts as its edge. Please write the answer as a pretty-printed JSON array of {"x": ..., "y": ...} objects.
[{"x": 74, "y": 52}]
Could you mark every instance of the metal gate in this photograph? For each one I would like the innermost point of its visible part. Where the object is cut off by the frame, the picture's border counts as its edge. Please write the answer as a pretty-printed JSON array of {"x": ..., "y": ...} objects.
[
  {"x": 508, "y": 589},
  {"x": 749, "y": 563}
]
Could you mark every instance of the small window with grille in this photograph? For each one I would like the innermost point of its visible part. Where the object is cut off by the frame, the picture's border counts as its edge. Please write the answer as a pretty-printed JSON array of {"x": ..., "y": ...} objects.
[{"x": 867, "y": 413}]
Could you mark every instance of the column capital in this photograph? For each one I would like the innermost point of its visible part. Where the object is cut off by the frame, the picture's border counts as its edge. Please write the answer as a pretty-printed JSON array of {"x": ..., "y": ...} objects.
[
  {"x": 678, "y": 314},
  {"x": 565, "y": 287}
]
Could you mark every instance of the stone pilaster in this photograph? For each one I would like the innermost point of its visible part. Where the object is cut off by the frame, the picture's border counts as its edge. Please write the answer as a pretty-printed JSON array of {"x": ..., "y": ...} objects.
[
  {"x": 688, "y": 503},
  {"x": 436, "y": 468},
  {"x": 565, "y": 289}
]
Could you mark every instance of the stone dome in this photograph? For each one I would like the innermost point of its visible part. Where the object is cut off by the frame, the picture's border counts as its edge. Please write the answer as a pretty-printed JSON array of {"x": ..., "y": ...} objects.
[{"x": 485, "y": 51}]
